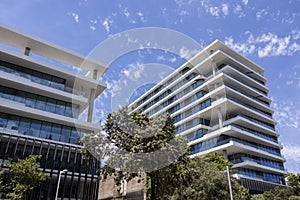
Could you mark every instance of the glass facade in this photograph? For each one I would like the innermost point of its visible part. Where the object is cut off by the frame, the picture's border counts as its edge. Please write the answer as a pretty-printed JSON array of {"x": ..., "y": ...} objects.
[
  {"x": 182, "y": 72},
  {"x": 240, "y": 157},
  {"x": 34, "y": 76},
  {"x": 223, "y": 139},
  {"x": 40, "y": 102},
  {"x": 55, "y": 157},
  {"x": 195, "y": 135},
  {"x": 275, "y": 178},
  {"x": 41, "y": 129},
  {"x": 246, "y": 109}
]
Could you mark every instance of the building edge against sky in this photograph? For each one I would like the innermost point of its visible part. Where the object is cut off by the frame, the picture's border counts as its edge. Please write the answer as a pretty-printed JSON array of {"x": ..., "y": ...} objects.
[
  {"x": 219, "y": 103},
  {"x": 39, "y": 107}
]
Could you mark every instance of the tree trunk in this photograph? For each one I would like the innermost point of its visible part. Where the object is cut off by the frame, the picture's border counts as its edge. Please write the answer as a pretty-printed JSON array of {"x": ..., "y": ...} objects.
[{"x": 153, "y": 185}]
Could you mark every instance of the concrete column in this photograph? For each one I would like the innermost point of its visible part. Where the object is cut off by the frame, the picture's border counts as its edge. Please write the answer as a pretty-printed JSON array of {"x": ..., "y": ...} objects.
[
  {"x": 92, "y": 98},
  {"x": 91, "y": 105},
  {"x": 95, "y": 74},
  {"x": 225, "y": 154},
  {"x": 214, "y": 70},
  {"x": 220, "y": 118}
]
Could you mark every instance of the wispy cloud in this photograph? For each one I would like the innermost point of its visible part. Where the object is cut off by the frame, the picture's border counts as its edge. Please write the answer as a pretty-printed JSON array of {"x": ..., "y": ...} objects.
[
  {"x": 214, "y": 11},
  {"x": 107, "y": 23},
  {"x": 187, "y": 53},
  {"x": 245, "y": 2},
  {"x": 287, "y": 114},
  {"x": 260, "y": 14},
  {"x": 126, "y": 12},
  {"x": 93, "y": 24},
  {"x": 75, "y": 16},
  {"x": 141, "y": 16},
  {"x": 243, "y": 48},
  {"x": 239, "y": 11},
  {"x": 292, "y": 155},
  {"x": 184, "y": 13},
  {"x": 225, "y": 9},
  {"x": 266, "y": 45}
]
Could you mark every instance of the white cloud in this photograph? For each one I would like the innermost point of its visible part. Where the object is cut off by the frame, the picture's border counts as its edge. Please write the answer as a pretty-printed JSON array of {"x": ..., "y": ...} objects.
[
  {"x": 133, "y": 71},
  {"x": 126, "y": 12},
  {"x": 296, "y": 34},
  {"x": 187, "y": 53},
  {"x": 287, "y": 114},
  {"x": 172, "y": 60},
  {"x": 180, "y": 2},
  {"x": 265, "y": 45},
  {"x": 214, "y": 11},
  {"x": 245, "y": 2},
  {"x": 275, "y": 45},
  {"x": 75, "y": 16},
  {"x": 141, "y": 15},
  {"x": 107, "y": 23},
  {"x": 291, "y": 152},
  {"x": 225, "y": 8},
  {"x": 239, "y": 11},
  {"x": 260, "y": 14},
  {"x": 184, "y": 13},
  {"x": 243, "y": 48},
  {"x": 92, "y": 28},
  {"x": 290, "y": 82}
]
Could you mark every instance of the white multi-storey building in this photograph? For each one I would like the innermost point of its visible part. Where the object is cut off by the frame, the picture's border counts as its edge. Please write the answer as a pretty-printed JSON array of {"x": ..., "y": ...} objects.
[
  {"x": 40, "y": 101},
  {"x": 219, "y": 103}
]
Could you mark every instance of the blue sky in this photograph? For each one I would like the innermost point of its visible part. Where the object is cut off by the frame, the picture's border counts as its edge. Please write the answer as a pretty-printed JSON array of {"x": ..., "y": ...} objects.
[{"x": 266, "y": 32}]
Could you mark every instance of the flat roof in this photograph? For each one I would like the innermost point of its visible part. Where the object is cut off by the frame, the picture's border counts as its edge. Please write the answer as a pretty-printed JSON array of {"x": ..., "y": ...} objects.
[{"x": 41, "y": 47}]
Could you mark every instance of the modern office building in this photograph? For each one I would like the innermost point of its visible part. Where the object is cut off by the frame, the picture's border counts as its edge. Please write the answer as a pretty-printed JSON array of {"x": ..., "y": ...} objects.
[
  {"x": 219, "y": 102},
  {"x": 40, "y": 101}
]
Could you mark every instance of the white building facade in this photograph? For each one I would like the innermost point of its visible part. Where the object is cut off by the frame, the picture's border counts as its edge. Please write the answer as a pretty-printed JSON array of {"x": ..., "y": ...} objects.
[
  {"x": 40, "y": 102},
  {"x": 219, "y": 103}
]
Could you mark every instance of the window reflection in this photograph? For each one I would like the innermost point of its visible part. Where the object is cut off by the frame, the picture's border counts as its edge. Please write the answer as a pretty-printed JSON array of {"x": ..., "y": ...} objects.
[
  {"x": 40, "y": 102},
  {"x": 42, "y": 129}
]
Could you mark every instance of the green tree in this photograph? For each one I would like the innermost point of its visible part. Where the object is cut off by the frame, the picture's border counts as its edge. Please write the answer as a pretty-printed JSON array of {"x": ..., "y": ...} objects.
[
  {"x": 219, "y": 161},
  {"x": 198, "y": 178},
  {"x": 293, "y": 180},
  {"x": 140, "y": 144},
  {"x": 23, "y": 177},
  {"x": 182, "y": 178},
  {"x": 276, "y": 194}
]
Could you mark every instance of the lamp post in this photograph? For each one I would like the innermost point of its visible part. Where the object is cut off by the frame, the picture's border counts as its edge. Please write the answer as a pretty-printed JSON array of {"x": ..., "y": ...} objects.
[
  {"x": 59, "y": 176},
  {"x": 229, "y": 183}
]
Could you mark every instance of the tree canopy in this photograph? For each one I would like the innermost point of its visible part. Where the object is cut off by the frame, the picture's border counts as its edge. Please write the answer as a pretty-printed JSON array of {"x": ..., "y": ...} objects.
[
  {"x": 22, "y": 177},
  {"x": 293, "y": 180},
  {"x": 171, "y": 174}
]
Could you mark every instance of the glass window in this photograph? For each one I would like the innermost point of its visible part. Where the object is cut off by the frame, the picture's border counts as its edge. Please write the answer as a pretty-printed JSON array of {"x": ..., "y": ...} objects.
[
  {"x": 1, "y": 91},
  {"x": 36, "y": 77},
  {"x": 9, "y": 94},
  {"x": 45, "y": 130},
  {"x": 41, "y": 103},
  {"x": 46, "y": 80},
  {"x": 3, "y": 120},
  {"x": 36, "y": 127},
  {"x": 30, "y": 100},
  {"x": 56, "y": 131},
  {"x": 60, "y": 107},
  {"x": 50, "y": 106},
  {"x": 20, "y": 96},
  {"x": 13, "y": 122},
  {"x": 24, "y": 125},
  {"x": 75, "y": 109},
  {"x": 66, "y": 132},
  {"x": 74, "y": 136},
  {"x": 69, "y": 110},
  {"x": 58, "y": 83}
]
